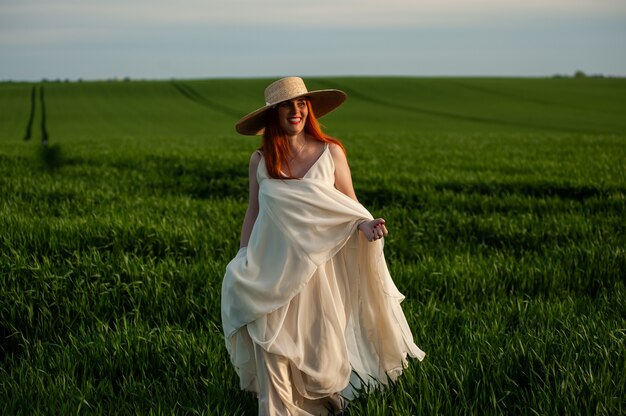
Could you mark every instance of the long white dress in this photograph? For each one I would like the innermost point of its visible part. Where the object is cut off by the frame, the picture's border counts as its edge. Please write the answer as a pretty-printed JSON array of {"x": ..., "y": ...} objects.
[{"x": 309, "y": 310}]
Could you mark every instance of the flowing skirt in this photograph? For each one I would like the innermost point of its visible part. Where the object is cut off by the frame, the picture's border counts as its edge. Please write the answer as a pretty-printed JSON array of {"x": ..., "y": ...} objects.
[{"x": 337, "y": 334}]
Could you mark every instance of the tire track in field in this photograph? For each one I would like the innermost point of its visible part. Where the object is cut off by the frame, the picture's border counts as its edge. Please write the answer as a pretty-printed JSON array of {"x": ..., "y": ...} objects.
[
  {"x": 44, "y": 130},
  {"x": 448, "y": 115},
  {"x": 191, "y": 94},
  {"x": 522, "y": 98},
  {"x": 512, "y": 96},
  {"x": 31, "y": 117},
  {"x": 50, "y": 155}
]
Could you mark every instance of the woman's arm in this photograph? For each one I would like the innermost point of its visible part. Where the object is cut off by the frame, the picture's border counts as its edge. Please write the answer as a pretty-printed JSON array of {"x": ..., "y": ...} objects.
[
  {"x": 253, "y": 200},
  {"x": 373, "y": 230},
  {"x": 343, "y": 178}
]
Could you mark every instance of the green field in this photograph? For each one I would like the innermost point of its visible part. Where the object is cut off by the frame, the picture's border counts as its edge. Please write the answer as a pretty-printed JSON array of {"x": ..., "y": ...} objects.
[{"x": 506, "y": 205}]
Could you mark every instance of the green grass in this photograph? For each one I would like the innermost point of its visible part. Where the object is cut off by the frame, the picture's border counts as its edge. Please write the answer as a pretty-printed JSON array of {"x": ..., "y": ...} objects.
[{"x": 505, "y": 199}]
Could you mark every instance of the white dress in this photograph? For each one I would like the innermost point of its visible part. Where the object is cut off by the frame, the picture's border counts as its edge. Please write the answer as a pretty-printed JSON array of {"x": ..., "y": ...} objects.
[{"x": 309, "y": 310}]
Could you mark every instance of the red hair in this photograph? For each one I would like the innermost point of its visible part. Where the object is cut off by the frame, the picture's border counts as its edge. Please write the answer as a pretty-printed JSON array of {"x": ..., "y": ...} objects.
[{"x": 275, "y": 147}]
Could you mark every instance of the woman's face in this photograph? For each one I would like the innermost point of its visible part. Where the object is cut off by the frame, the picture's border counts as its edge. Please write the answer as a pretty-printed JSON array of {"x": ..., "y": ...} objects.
[{"x": 292, "y": 115}]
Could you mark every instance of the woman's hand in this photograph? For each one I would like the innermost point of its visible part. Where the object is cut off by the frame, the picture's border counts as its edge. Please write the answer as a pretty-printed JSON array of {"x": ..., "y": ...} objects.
[{"x": 374, "y": 229}]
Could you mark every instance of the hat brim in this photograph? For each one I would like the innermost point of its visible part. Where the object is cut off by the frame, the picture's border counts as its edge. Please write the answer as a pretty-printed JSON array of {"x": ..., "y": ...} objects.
[{"x": 322, "y": 102}]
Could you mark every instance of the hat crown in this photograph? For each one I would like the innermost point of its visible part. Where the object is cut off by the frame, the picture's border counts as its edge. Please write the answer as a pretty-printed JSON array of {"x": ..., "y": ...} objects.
[{"x": 284, "y": 89}]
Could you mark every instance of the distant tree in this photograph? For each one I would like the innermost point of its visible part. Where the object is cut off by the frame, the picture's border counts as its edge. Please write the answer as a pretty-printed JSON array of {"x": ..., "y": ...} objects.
[{"x": 580, "y": 74}]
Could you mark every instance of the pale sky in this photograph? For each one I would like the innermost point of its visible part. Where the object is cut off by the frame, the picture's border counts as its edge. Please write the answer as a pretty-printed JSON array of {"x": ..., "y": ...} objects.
[{"x": 159, "y": 39}]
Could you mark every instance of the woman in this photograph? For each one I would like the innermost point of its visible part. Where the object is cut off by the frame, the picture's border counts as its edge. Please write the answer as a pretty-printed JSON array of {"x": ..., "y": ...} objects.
[{"x": 310, "y": 313}]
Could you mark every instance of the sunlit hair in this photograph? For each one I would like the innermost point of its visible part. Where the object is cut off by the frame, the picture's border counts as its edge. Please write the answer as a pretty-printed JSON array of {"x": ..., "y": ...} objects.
[{"x": 275, "y": 147}]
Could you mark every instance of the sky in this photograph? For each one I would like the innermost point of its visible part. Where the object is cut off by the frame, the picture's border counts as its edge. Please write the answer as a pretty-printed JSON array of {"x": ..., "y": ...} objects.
[{"x": 164, "y": 39}]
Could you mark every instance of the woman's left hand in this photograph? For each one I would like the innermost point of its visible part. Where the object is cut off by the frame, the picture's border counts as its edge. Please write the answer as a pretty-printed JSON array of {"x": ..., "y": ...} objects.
[{"x": 374, "y": 229}]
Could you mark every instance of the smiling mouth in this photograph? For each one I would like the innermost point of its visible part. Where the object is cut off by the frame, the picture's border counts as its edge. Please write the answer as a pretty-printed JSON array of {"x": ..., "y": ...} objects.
[{"x": 294, "y": 120}]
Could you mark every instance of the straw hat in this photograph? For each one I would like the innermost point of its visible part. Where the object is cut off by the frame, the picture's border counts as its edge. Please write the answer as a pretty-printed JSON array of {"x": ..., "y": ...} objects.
[{"x": 322, "y": 101}]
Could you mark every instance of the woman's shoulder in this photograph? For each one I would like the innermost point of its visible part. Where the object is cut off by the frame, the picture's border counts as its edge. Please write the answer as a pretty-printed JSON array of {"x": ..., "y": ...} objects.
[
  {"x": 337, "y": 153},
  {"x": 334, "y": 147},
  {"x": 256, "y": 156},
  {"x": 255, "y": 159}
]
